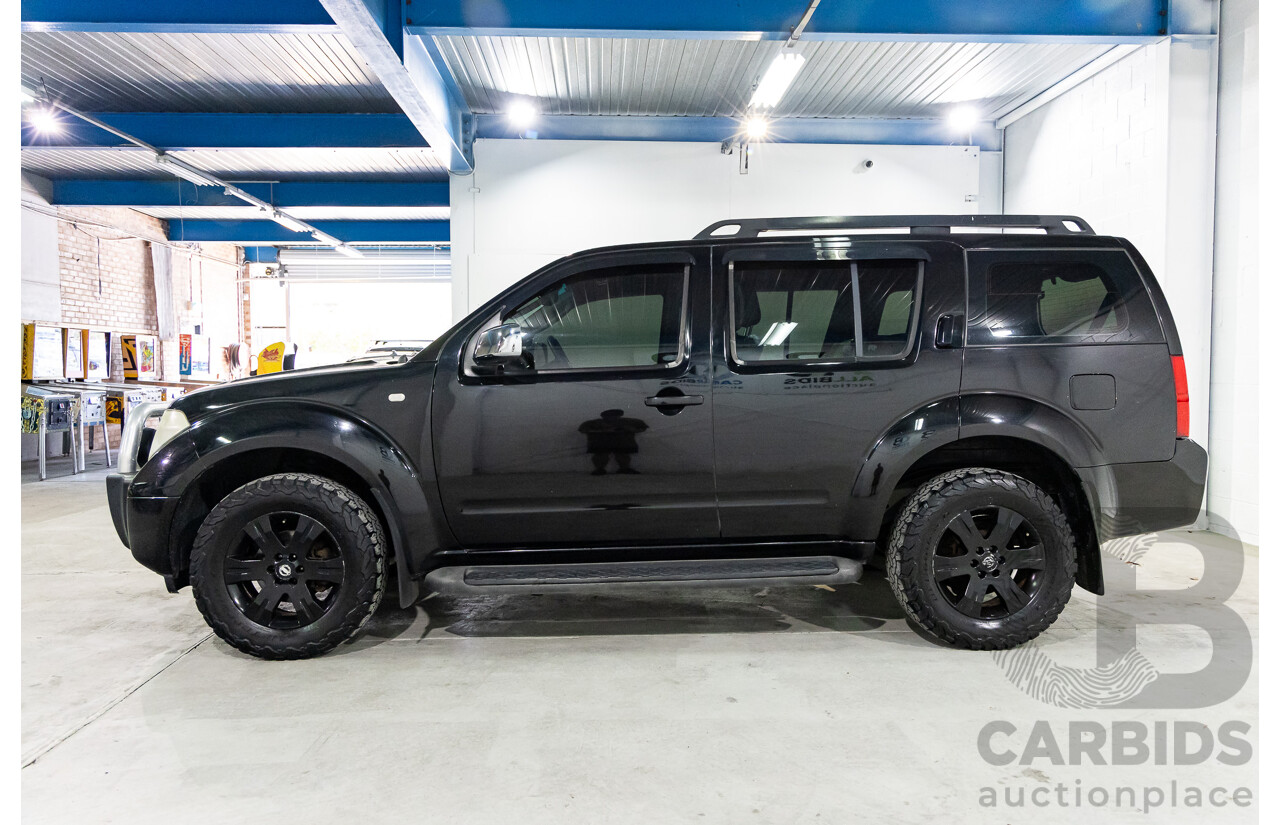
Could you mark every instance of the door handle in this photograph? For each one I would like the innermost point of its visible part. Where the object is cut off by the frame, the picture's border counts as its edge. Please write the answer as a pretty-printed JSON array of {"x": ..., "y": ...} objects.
[
  {"x": 947, "y": 335},
  {"x": 672, "y": 400}
]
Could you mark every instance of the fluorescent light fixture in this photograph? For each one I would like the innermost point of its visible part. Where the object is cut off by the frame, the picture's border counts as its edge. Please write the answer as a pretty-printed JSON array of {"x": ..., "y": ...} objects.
[
  {"x": 289, "y": 222},
  {"x": 325, "y": 238},
  {"x": 45, "y": 119},
  {"x": 778, "y": 333},
  {"x": 349, "y": 251},
  {"x": 522, "y": 114},
  {"x": 962, "y": 118},
  {"x": 186, "y": 172},
  {"x": 773, "y": 85}
]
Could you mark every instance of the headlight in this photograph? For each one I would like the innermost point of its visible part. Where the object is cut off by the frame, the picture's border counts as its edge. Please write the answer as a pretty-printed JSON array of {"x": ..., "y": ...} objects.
[{"x": 172, "y": 422}]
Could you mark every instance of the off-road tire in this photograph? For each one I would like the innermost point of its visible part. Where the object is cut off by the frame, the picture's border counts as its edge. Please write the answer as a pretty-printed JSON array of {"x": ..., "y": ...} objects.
[
  {"x": 348, "y": 519},
  {"x": 923, "y": 522}
]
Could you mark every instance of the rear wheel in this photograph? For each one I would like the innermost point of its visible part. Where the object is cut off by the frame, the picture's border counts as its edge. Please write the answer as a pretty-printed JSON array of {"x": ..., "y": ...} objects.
[
  {"x": 288, "y": 566},
  {"x": 982, "y": 559}
]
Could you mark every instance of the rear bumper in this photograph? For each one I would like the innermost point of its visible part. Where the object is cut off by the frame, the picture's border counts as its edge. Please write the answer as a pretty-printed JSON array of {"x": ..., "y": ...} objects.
[{"x": 1132, "y": 499}]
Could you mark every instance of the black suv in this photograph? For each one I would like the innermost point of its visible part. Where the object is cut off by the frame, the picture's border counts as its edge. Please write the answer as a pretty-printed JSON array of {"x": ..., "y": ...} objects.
[{"x": 771, "y": 403}]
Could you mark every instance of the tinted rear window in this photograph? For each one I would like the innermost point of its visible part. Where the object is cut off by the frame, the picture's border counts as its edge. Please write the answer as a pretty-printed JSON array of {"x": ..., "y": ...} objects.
[{"x": 1066, "y": 296}]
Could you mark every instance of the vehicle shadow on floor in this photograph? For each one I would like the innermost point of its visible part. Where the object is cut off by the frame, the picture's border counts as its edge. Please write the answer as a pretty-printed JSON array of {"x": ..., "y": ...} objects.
[{"x": 864, "y": 607}]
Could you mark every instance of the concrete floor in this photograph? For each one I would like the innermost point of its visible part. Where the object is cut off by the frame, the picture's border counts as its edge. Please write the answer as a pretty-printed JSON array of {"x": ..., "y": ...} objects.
[{"x": 797, "y": 705}]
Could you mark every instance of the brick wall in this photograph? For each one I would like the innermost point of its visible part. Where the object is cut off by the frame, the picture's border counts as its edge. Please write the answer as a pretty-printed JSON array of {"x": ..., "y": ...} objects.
[
  {"x": 246, "y": 320},
  {"x": 108, "y": 282}
]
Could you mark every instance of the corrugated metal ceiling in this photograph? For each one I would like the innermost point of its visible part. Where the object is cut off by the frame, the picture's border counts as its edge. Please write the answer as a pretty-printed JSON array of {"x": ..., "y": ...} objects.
[
  {"x": 422, "y": 264},
  {"x": 412, "y": 164},
  {"x": 592, "y": 76},
  {"x": 126, "y": 72},
  {"x": 573, "y": 76}
]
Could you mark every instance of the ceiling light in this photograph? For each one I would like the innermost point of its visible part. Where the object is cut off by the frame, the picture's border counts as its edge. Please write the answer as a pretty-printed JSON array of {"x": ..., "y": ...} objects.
[
  {"x": 778, "y": 332},
  {"x": 45, "y": 119},
  {"x": 289, "y": 222},
  {"x": 27, "y": 97},
  {"x": 522, "y": 114},
  {"x": 186, "y": 172},
  {"x": 756, "y": 127},
  {"x": 325, "y": 238},
  {"x": 349, "y": 251},
  {"x": 962, "y": 118},
  {"x": 774, "y": 84}
]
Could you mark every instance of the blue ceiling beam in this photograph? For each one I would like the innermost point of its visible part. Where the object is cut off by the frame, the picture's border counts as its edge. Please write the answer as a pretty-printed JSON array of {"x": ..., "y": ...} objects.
[
  {"x": 262, "y": 254},
  {"x": 999, "y": 20},
  {"x": 172, "y": 130},
  {"x": 258, "y": 233},
  {"x": 149, "y": 194},
  {"x": 408, "y": 73},
  {"x": 716, "y": 129},
  {"x": 178, "y": 16}
]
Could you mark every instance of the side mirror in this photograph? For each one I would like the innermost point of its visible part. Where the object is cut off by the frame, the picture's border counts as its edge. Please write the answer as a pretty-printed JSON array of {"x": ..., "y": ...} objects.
[{"x": 499, "y": 346}]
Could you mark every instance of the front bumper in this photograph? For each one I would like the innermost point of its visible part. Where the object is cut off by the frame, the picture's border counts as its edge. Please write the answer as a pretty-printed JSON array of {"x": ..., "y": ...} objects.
[
  {"x": 118, "y": 503},
  {"x": 144, "y": 524}
]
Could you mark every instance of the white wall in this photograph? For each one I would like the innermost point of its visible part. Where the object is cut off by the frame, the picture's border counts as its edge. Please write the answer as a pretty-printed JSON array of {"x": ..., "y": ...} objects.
[
  {"x": 41, "y": 284},
  {"x": 531, "y": 201},
  {"x": 1132, "y": 151},
  {"x": 991, "y": 183},
  {"x": 41, "y": 289},
  {"x": 1234, "y": 399}
]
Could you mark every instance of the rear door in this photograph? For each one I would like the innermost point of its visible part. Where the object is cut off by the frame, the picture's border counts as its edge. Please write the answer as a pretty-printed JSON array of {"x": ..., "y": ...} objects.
[
  {"x": 823, "y": 347},
  {"x": 605, "y": 436}
]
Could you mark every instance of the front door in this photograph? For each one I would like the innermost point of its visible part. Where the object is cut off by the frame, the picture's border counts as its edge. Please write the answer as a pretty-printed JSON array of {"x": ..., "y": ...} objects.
[
  {"x": 603, "y": 434},
  {"x": 822, "y": 349}
]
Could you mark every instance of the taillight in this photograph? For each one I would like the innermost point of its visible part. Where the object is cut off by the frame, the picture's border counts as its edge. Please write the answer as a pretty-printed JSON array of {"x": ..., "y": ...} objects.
[{"x": 1183, "y": 396}]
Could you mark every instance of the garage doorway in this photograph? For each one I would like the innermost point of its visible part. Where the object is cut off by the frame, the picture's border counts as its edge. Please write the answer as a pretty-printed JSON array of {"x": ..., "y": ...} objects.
[{"x": 334, "y": 308}]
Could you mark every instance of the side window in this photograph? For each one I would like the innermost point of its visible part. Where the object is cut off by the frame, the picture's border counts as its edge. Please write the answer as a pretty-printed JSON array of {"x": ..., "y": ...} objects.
[
  {"x": 802, "y": 311},
  {"x": 621, "y": 317},
  {"x": 889, "y": 293},
  {"x": 1055, "y": 297}
]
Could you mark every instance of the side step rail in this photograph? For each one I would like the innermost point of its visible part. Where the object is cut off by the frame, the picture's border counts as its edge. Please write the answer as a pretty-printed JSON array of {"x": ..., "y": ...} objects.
[{"x": 543, "y": 578}]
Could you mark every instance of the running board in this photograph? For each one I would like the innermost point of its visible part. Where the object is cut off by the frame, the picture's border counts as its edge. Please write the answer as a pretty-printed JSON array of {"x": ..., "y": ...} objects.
[{"x": 542, "y": 578}]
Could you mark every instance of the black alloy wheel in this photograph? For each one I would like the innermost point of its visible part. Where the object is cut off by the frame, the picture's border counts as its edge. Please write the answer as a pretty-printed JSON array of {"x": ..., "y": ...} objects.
[
  {"x": 989, "y": 562},
  {"x": 289, "y": 566},
  {"x": 981, "y": 559},
  {"x": 286, "y": 572}
]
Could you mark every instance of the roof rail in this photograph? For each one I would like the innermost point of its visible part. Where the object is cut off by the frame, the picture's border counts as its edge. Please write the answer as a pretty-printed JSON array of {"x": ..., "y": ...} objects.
[{"x": 918, "y": 224}]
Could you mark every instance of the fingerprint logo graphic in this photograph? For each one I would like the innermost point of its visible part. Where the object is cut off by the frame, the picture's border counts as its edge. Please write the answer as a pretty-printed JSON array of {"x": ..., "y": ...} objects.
[
  {"x": 1039, "y": 676},
  {"x": 1130, "y": 679},
  {"x": 1130, "y": 549}
]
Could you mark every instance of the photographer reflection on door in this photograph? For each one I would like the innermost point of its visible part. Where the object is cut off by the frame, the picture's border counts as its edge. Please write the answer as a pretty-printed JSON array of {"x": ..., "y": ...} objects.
[{"x": 612, "y": 436}]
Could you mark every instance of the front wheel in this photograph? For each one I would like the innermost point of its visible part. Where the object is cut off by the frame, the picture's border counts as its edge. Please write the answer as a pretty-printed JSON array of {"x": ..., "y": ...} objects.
[
  {"x": 981, "y": 559},
  {"x": 288, "y": 566}
]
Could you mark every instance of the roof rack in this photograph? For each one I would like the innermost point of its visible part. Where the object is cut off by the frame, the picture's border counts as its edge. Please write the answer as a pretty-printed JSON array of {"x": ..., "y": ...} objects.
[{"x": 918, "y": 224}]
